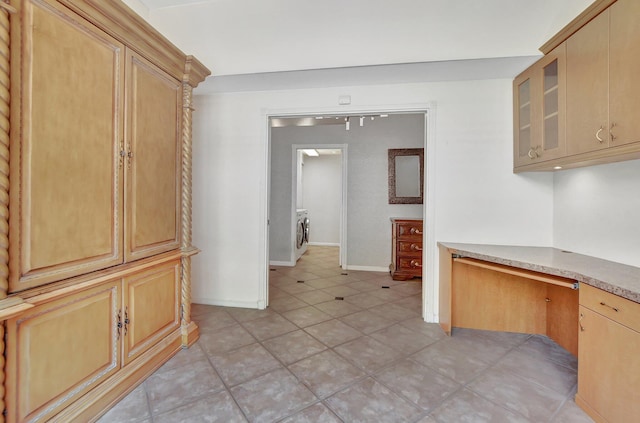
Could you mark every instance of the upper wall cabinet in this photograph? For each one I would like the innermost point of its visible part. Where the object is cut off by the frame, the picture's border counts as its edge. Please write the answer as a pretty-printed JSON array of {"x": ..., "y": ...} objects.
[
  {"x": 66, "y": 208},
  {"x": 99, "y": 176},
  {"x": 602, "y": 92},
  {"x": 539, "y": 110}
]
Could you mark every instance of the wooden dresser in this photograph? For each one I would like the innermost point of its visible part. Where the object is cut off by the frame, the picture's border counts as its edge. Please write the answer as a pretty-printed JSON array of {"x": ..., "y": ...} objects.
[
  {"x": 95, "y": 205},
  {"x": 406, "y": 248}
]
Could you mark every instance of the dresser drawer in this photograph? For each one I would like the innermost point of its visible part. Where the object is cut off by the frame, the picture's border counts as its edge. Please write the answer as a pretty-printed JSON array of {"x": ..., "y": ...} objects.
[
  {"x": 410, "y": 263},
  {"x": 409, "y": 230},
  {"x": 410, "y": 247},
  {"x": 616, "y": 308}
]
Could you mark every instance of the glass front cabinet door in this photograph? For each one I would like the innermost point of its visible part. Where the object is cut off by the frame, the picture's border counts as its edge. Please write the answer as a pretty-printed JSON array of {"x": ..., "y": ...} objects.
[{"x": 539, "y": 110}]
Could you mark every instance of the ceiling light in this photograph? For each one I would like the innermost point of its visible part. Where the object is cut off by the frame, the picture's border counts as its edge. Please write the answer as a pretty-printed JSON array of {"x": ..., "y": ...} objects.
[
  {"x": 311, "y": 152},
  {"x": 557, "y": 167},
  {"x": 384, "y": 115}
]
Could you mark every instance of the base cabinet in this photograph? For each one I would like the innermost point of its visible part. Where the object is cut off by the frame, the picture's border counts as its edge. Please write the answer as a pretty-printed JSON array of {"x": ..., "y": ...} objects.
[
  {"x": 609, "y": 364},
  {"x": 62, "y": 349}
]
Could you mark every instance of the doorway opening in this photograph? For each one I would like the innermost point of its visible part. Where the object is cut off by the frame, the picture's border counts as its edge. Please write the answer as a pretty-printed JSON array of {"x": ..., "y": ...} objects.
[{"x": 367, "y": 181}]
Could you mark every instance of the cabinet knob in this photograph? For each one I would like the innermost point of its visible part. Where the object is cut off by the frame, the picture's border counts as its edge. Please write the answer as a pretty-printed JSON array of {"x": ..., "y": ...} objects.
[
  {"x": 600, "y": 140},
  {"x": 533, "y": 152}
]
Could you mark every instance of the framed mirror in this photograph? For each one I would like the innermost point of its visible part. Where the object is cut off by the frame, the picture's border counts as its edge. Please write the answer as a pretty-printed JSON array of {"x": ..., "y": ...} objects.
[{"x": 406, "y": 175}]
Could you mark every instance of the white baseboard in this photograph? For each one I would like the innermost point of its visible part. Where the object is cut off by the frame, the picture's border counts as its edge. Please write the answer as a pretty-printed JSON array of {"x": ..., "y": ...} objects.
[
  {"x": 228, "y": 303},
  {"x": 325, "y": 244},
  {"x": 368, "y": 268},
  {"x": 282, "y": 263}
]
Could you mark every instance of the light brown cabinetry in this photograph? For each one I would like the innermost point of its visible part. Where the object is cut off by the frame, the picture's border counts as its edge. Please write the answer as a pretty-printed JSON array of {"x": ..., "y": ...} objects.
[
  {"x": 62, "y": 349},
  {"x": 489, "y": 296},
  {"x": 608, "y": 366},
  {"x": 602, "y": 87},
  {"x": 95, "y": 209},
  {"x": 539, "y": 110},
  {"x": 602, "y": 90},
  {"x": 406, "y": 249}
]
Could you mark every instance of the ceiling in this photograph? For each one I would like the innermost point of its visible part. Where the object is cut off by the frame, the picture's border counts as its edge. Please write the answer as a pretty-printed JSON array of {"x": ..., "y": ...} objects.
[{"x": 236, "y": 37}]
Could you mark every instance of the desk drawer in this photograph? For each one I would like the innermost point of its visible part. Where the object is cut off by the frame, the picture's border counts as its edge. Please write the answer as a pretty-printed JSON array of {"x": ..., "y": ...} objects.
[
  {"x": 410, "y": 263},
  {"x": 616, "y": 308},
  {"x": 410, "y": 247}
]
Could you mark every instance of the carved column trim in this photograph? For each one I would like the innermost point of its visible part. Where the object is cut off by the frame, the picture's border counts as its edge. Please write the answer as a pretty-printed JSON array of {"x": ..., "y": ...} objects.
[
  {"x": 194, "y": 73},
  {"x": 5, "y": 111}
]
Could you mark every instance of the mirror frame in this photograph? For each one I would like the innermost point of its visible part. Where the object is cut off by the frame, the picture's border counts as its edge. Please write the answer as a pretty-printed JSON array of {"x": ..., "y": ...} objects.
[{"x": 393, "y": 153}]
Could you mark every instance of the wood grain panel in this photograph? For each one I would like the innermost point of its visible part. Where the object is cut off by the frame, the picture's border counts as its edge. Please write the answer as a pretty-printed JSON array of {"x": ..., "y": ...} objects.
[
  {"x": 60, "y": 350},
  {"x": 68, "y": 218},
  {"x": 562, "y": 317},
  {"x": 588, "y": 87},
  {"x": 153, "y": 189},
  {"x": 608, "y": 369},
  {"x": 624, "y": 62},
  {"x": 485, "y": 299},
  {"x": 152, "y": 307}
]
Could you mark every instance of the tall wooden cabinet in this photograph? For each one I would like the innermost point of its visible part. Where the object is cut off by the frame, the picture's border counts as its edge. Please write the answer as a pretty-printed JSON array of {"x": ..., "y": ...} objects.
[{"x": 95, "y": 199}]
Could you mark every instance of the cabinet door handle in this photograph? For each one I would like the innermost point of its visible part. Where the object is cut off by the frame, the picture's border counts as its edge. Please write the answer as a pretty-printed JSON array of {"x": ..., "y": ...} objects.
[
  {"x": 598, "y": 134},
  {"x": 580, "y": 322},
  {"x": 533, "y": 152},
  {"x": 613, "y": 137},
  {"x": 129, "y": 158},
  {"x": 415, "y": 231},
  {"x": 119, "y": 325},
  {"x": 416, "y": 247},
  {"x": 126, "y": 320},
  {"x": 415, "y": 263},
  {"x": 602, "y": 303}
]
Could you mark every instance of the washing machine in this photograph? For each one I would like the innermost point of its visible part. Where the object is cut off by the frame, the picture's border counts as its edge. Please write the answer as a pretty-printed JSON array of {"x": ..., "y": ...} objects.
[{"x": 302, "y": 232}]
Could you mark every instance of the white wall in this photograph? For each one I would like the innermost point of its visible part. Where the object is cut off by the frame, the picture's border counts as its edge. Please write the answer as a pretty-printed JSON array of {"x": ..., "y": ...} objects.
[
  {"x": 597, "y": 211},
  {"x": 478, "y": 198},
  {"x": 322, "y": 197}
]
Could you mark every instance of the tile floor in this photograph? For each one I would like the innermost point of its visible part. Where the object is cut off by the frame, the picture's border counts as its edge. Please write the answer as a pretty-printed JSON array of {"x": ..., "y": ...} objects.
[{"x": 368, "y": 357}]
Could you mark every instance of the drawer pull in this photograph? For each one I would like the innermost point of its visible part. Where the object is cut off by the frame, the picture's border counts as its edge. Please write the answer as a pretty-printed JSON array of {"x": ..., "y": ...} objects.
[
  {"x": 600, "y": 140},
  {"x": 415, "y": 263},
  {"x": 580, "y": 322},
  {"x": 602, "y": 303},
  {"x": 416, "y": 247},
  {"x": 415, "y": 231}
]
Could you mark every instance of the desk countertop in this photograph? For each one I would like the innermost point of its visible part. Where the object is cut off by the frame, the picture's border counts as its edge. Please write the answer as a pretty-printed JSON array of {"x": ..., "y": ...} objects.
[{"x": 619, "y": 279}]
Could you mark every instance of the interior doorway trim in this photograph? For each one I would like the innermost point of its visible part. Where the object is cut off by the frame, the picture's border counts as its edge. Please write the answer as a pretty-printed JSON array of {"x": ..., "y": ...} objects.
[
  {"x": 430, "y": 271},
  {"x": 343, "y": 202}
]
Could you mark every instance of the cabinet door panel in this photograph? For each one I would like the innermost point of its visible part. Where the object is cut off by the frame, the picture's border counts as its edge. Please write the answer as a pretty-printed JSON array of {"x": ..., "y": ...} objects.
[
  {"x": 624, "y": 84},
  {"x": 65, "y": 208},
  {"x": 152, "y": 307},
  {"x": 153, "y": 199},
  {"x": 61, "y": 350},
  {"x": 588, "y": 87},
  {"x": 609, "y": 368}
]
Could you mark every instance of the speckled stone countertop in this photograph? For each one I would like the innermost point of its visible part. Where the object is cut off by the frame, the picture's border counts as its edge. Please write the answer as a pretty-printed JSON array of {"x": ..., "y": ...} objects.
[{"x": 616, "y": 278}]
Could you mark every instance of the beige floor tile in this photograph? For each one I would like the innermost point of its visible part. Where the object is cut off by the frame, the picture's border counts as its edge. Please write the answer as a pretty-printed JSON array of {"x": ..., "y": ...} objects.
[
  {"x": 466, "y": 406},
  {"x": 245, "y": 363},
  {"x": 317, "y": 413},
  {"x": 538, "y": 345},
  {"x": 325, "y": 373},
  {"x": 367, "y": 353},
  {"x": 272, "y": 396},
  {"x": 283, "y": 304},
  {"x": 402, "y": 339},
  {"x": 366, "y": 321},
  {"x": 294, "y": 346},
  {"x": 422, "y": 328},
  {"x": 315, "y": 297},
  {"x": 213, "y": 321},
  {"x": 444, "y": 358},
  {"x": 535, "y": 402},
  {"x": 369, "y": 401},
  {"x": 247, "y": 314},
  {"x": 394, "y": 312},
  {"x": 340, "y": 291},
  {"x": 306, "y": 316},
  {"x": 178, "y": 386},
  {"x": 363, "y": 286},
  {"x": 364, "y": 300},
  {"x": 269, "y": 327},
  {"x": 424, "y": 387},
  {"x": 333, "y": 332},
  {"x": 225, "y": 339},
  {"x": 338, "y": 308},
  {"x": 571, "y": 413},
  {"x": 218, "y": 408}
]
